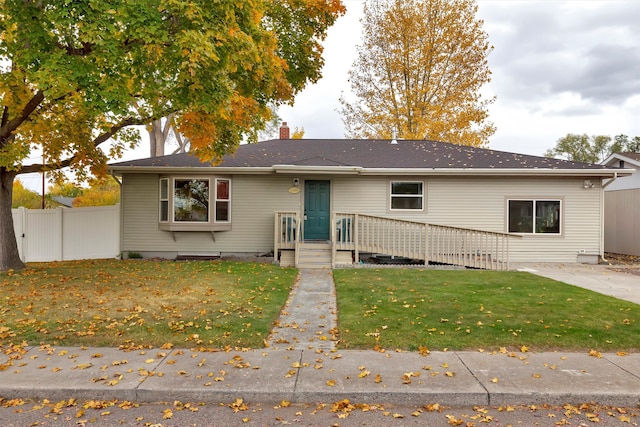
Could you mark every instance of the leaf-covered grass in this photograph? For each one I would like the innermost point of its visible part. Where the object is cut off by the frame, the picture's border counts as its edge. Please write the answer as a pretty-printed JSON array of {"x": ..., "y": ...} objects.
[
  {"x": 470, "y": 310},
  {"x": 143, "y": 303}
]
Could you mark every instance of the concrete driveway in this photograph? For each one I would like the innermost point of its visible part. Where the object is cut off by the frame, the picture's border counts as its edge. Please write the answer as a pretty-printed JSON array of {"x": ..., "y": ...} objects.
[{"x": 620, "y": 281}]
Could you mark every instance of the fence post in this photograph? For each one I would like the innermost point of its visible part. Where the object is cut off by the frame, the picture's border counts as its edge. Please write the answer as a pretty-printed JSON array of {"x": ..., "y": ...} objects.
[
  {"x": 59, "y": 253},
  {"x": 21, "y": 220}
]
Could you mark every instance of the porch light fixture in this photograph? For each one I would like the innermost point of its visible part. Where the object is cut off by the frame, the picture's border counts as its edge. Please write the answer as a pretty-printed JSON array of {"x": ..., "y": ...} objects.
[
  {"x": 587, "y": 184},
  {"x": 295, "y": 188}
]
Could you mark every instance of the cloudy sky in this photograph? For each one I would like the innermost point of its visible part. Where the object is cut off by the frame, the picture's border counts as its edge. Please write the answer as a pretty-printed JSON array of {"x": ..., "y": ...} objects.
[{"x": 558, "y": 67}]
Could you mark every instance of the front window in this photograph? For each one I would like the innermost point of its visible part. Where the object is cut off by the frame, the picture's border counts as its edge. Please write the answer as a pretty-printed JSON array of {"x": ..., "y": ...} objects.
[
  {"x": 407, "y": 195},
  {"x": 191, "y": 200},
  {"x": 534, "y": 216},
  {"x": 195, "y": 203}
]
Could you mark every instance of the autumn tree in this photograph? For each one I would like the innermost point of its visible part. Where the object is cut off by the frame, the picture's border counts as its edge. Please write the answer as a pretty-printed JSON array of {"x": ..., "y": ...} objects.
[
  {"x": 23, "y": 197},
  {"x": 591, "y": 148},
  {"x": 419, "y": 71},
  {"x": 102, "y": 192},
  {"x": 75, "y": 77},
  {"x": 64, "y": 189},
  {"x": 163, "y": 130},
  {"x": 297, "y": 133}
]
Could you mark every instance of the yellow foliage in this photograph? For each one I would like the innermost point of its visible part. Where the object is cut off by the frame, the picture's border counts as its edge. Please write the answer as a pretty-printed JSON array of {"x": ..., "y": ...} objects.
[
  {"x": 297, "y": 133},
  {"x": 420, "y": 68},
  {"x": 23, "y": 197},
  {"x": 78, "y": 77}
]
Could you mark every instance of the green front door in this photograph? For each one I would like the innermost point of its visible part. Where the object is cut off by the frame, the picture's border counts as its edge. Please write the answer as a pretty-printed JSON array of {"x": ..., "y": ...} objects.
[{"x": 316, "y": 210}]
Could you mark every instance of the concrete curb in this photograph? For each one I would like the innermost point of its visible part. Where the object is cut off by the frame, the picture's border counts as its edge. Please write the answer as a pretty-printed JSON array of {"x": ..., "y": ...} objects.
[{"x": 305, "y": 376}]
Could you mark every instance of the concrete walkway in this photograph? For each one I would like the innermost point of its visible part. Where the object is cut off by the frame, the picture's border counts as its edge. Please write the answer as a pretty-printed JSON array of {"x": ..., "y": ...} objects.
[
  {"x": 604, "y": 279},
  {"x": 302, "y": 365},
  {"x": 309, "y": 320}
]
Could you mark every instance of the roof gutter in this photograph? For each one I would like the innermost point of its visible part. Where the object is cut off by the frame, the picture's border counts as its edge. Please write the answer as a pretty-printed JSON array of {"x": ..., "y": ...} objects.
[
  {"x": 188, "y": 169},
  {"x": 326, "y": 170},
  {"x": 602, "y": 173}
]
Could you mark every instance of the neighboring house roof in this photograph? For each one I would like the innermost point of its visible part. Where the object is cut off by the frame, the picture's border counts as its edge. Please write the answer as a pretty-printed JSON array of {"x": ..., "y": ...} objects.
[
  {"x": 628, "y": 158},
  {"x": 368, "y": 157},
  {"x": 64, "y": 201}
]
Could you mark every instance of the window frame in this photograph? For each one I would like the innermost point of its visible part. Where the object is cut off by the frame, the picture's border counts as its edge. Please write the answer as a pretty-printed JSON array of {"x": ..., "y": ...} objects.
[
  {"x": 421, "y": 196},
  {"x": 217, "y": 199},
  {"x": 534, "y": 201},
  {"x": 212, "y": 223},
  {"x": 164, "y": 201}
]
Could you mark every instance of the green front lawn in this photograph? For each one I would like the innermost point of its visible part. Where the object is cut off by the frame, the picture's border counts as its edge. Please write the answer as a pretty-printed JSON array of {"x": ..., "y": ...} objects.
[
  {"x": 142, "y": 303},
  {"x": 469, "y": 310},
  {"x": 222, "y": 304}
]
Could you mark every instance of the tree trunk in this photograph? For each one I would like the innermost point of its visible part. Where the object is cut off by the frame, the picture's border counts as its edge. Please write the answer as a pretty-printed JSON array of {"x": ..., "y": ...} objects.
[
  {"x": 9, "y": 256},
  {"x": 158, "y": 137}
]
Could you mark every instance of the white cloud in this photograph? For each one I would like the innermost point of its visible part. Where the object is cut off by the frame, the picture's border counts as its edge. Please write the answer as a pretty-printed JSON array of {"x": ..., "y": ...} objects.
[{"x": 570, "y": 66}]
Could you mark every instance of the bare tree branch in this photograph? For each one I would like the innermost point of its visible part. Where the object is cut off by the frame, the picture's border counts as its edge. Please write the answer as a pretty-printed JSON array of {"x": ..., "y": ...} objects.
[
  {"x": 100, "y": 139},
  {"x": 7, "y": 128}
]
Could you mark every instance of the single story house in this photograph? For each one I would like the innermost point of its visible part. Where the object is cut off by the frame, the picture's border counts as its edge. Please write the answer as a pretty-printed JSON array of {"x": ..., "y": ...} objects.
[
  {"x": 622, "y": 206},
  {"x": 328, "y": 202}
]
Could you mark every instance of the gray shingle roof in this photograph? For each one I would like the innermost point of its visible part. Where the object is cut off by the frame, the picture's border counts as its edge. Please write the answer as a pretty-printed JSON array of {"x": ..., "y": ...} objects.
[{"x": 366, "y": 154}]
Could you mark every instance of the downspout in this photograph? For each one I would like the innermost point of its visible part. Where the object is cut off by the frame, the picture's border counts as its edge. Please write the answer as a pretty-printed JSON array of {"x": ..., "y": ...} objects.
[
  {"x": 121, "y": 213},
  {"x": 605, "y": 185}
]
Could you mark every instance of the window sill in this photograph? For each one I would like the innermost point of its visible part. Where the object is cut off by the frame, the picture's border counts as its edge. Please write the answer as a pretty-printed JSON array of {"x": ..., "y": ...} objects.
[
  {"x": 194, "y": 227},
  {"x": 536, "y": 235}
]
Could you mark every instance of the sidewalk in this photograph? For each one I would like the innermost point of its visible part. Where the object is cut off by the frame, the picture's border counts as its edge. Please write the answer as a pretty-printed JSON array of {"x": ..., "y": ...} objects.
[
  {"x": 301, "y": 365},
  {"x": 270, "y": 376}
]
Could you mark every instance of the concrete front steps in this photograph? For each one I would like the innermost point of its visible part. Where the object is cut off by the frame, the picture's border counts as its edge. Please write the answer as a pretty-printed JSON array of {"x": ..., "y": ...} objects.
[{"x": 314, "y": 255}]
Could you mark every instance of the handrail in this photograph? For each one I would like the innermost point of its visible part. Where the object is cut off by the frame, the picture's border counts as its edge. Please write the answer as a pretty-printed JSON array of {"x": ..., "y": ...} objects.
[
  {"x": 286, "y": 232},
  {"x": 395, "y": 237},
  {"x": 418, "y": 240}
]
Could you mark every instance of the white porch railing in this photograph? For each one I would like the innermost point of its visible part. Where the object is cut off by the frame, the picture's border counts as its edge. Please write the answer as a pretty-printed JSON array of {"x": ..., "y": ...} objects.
[
  {"x": 401, "y": 238},
  {"x": 287, "y": 231}
]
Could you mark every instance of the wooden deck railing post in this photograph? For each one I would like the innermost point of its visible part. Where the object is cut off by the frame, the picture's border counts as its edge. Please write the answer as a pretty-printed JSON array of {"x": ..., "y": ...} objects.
[
  {"x": 276, "y": 240},
  {"x": 356, "y": 238},
  {"x": 333, "y": 233}
]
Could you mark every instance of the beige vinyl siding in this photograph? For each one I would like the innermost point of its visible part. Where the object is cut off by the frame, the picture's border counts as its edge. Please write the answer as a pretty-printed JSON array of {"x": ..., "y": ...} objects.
[
  {"x": 622, "y": 221},
  {"x": 480, "y": 203},
  {"x": 470, "y": 202},
  {"x": 254, "y": 199}
]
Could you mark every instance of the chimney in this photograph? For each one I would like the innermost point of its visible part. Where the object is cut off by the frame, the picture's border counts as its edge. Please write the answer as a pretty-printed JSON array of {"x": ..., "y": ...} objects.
[{"x": 284, "y": 131}]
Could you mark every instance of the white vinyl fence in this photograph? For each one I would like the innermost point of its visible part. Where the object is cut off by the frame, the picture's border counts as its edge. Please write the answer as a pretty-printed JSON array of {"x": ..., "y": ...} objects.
[{"x": 63, "y": 234}]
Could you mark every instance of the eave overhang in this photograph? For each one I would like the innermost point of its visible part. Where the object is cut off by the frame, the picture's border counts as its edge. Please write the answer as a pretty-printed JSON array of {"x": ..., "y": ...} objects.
[
  {"x": 357, "y": 170},
  {"x": 119, "y": 170}
]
